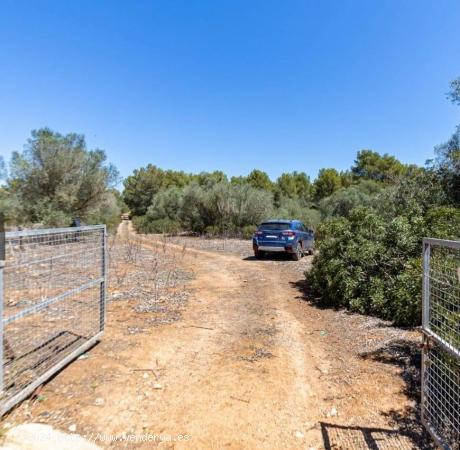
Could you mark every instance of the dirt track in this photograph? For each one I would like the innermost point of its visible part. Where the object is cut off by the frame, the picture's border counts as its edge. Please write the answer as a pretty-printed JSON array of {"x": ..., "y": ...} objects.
[{"x": 250, "y": 364}]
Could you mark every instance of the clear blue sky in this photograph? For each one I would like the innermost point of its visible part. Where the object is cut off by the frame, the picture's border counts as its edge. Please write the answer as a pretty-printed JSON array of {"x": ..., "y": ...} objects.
[{"x": 232, "y": 85}]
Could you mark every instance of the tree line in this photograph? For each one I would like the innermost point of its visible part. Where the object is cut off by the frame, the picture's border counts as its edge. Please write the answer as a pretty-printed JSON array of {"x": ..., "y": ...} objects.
[
  {"x": 211, "y": 203},
  {"x": 370, "y": 219}
]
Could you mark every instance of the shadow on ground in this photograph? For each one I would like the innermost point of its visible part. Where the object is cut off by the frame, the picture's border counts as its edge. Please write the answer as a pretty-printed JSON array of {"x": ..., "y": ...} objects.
[
  {"x": 362, "y": 438},
  {"x": 406, "y": 430},
  {"x": 281, "y": 256},
  {"x": 407, "y": 356}
]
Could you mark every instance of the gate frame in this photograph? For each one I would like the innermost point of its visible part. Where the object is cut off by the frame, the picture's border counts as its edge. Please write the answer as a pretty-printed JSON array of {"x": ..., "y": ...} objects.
[
  {"x": 29, "y": 389},
  {"x": 429, "y": 336},
  {"x": 2, "y": 265}
]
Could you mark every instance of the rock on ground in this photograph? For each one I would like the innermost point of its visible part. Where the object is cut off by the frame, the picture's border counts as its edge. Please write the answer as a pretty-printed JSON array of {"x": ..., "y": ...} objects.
[{"x": 37, "y": 436}]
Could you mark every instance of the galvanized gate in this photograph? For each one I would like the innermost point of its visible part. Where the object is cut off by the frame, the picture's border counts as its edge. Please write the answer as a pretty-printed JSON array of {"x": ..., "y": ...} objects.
[
  {"x": 53, "y": 305},
  {"x": 441, "y": 349}
]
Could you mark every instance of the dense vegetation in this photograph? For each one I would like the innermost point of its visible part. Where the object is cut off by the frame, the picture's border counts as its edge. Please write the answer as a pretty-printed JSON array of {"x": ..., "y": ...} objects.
[
  {"x": 370, "y": 219},
  {"x": 56, "y": 179},
  {"x": 369, "y": 257},
  {"x": 169, "y": 201}
]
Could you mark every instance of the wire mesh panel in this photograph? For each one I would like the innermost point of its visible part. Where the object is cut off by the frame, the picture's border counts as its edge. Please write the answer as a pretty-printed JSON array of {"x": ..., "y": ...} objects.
[
  {"x": 441, "y": 349},
  {"x": 53, "y": 303}
]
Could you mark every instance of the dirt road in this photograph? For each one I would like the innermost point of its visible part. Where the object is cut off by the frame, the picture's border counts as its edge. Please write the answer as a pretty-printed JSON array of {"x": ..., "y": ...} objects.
[{"x": 250, "y": 364}]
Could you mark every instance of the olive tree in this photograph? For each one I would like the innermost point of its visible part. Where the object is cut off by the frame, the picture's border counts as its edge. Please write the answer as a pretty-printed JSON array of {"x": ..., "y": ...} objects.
[{"x": 56, "y": 178}]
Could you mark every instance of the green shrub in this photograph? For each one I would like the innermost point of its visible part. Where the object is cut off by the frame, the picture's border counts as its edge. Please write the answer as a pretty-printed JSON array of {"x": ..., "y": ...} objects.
[
  {"x": 371, "y": 264},
  {"x": 144, "y": 225},
  {"x": 212, "y": 231},
  {"x": 248, "y": 231}
]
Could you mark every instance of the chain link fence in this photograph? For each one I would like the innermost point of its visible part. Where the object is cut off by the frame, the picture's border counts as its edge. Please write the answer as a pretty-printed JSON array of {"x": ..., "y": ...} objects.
[
  {"x": 53, "y": 284},
  {"x": 441, "y": 349}
]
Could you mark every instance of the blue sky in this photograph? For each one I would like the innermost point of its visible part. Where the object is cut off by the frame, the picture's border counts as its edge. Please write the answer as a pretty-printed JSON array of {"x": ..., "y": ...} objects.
[{"x": 232, "y": 85}]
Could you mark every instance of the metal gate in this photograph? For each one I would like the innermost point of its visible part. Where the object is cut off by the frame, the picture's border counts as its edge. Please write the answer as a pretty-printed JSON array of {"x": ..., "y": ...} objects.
[
  {"x": 441, "y": 349},
  {"x": 53, "y": 285}
]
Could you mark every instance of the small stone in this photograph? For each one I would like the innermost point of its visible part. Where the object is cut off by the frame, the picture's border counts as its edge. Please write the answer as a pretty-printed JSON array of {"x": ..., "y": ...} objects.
[
  {"x": 157, "y": 386},
  {"x": 299, "y": 435},
  {"x": 334, "y": 412},
  {"x": 84, "y": 356},
  {"x": 146, "y": 375},
  {"x": 40, "y": 436},
  {"x": 99, "y": 401},
  {"x": 73, "y": 428}
]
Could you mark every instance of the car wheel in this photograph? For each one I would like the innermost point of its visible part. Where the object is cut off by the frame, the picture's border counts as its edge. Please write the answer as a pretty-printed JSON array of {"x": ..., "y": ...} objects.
[
  {"x": 258, "y": 254},
  {"x": 297, "y": 255}
]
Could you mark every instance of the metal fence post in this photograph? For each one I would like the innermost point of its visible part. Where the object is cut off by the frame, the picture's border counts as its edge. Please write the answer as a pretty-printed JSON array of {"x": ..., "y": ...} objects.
[
  {"x": 426, "y": 285},
  {"x": 104, "y": 277},
  {"x": 425, "y": 322},
  {"x": 440, "y": 408},
  {"x": 2, "y": 265}
]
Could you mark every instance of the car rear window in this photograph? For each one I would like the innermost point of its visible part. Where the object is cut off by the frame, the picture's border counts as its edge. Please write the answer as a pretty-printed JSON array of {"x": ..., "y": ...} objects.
[{"x": 275, "y": 226}]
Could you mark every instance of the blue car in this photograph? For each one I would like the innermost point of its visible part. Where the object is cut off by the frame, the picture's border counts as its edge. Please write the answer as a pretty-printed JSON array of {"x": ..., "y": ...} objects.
[{"x": 287, "y": 236}]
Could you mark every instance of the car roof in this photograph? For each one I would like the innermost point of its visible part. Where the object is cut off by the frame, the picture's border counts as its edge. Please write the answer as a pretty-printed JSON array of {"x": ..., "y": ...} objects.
[{"x": 280, "y": 221}]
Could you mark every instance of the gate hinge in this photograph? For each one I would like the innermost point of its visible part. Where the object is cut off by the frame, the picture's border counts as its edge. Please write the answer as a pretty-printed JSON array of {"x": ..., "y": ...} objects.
[{"x": 428, "y": 341}]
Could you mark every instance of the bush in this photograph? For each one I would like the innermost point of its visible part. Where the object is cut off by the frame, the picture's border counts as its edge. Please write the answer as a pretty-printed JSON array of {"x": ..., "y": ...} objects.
[
  {"x": 372, "y": 264},
  {"x": 248, "y": 231},
  {"x": 144, "y": 225},
  {"x": 343, "y": 201},
  {"x": 294, "y": 209},
  {"x": 219, "y": 208}
]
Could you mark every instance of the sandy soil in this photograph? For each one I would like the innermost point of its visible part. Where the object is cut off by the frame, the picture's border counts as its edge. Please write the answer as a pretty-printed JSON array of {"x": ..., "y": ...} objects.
[{"x": 247, "y": 362}]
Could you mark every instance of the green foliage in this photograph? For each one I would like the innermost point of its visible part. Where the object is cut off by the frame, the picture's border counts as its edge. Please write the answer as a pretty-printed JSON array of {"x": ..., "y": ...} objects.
[
  {"x": 247, "y": 231},
  {"x": 2, "y": 168},
  {"x": 412, "y": 195},
  {"x": 293, "y": 209},
  {"x": 213, "y": 208},
  {"x": 361, "y": 266},
  {"x": 370, "y": 262},
  {"x": 146, "y": 182},
  {"x": 343, "y": 201},
  {"x": 295, "y": 185},
  {"x": 164, "y": 226},
  {"x": 373, "y": 166},
  {"x": 56, "y": 178},
  {"x": 327, "y": 182},
  {"x": 109, "y": 211},
  {"x": 448, "y": 166},
  {"x": 209, "y": 179},
  {"x": 454, "y": 93},
  {"x": 369, "y": 256},
  {"x": 443, "y": 223},
  {"x": 259, "y": 180}
]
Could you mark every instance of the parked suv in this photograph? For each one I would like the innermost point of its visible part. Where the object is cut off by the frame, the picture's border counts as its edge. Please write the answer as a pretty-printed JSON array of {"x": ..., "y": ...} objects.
[{"x": 288, "y": 236}]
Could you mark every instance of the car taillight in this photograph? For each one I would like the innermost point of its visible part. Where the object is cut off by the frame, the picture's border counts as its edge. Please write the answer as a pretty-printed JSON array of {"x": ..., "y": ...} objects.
[{"x": 288, "y": 233}]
